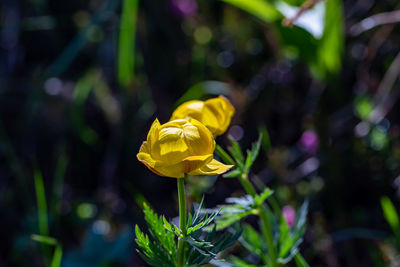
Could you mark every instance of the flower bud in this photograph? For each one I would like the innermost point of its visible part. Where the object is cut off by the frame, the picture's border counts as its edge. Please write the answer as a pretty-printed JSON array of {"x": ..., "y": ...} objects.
[{"x": 214, "y": 113}]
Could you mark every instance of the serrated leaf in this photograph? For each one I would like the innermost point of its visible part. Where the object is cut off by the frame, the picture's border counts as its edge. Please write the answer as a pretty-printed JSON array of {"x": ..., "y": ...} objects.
[
  {"x": 260, "y": 198},
  {"x": 201, "y": 246},
  {"x": 156, "y": 228},
  {"x": 196, "y": 213},
  {"x": 253, "y": 153},
  {"x": 177, "y": 231},
  {"x": 161, "y": 250},
  {"x": 205, "y": 221},
  {"x": 166, "y": 225},
  {"x": 212, "y": 245},
  {"x": 236, "y": 152}
]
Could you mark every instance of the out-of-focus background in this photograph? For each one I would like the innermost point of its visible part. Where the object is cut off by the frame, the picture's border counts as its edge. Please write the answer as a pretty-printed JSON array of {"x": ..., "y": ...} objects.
[{"x": 82, "y": 81}]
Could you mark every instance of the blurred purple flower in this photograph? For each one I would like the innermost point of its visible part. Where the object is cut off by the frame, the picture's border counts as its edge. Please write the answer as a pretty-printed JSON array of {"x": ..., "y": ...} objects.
[
  {"x": 184, "y": 8},
  {"x": 309, "y": 142},
  {"x": 289, "y": 214}
]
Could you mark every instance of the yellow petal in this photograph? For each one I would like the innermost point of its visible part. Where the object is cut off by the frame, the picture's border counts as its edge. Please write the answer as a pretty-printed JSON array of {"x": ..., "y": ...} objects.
[
  {"x": 200, "y": 141},
  {"x": 217, "y": 114},
  {"x": 144, "y": 157},
  {"x": 174, "y": 171},
  {"x": 212, "y": 168},
  {"x": 192, "y": 109},
  {"x": 227, "y": 106},
  {"x": 152, "y": 136},
  {"x": 194, "y": 162},
  {"x": 171, "y": 147}
]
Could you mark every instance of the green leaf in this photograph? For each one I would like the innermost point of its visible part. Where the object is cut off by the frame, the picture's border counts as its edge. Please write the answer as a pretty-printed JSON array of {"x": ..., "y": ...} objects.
[
  {"x": 251, "y": 240},
  {"x": 390, "y": 214},
  {"x": 301, "y": 219},
  {"x": 258, "y": 8},
  {"x": 331, "y": 45},
  {"x": 167, "y": 226},
  {"x": 229, "y": 219},
  {"x": 142, "y": 240},
  {"x": 202, "y": 251},
  {"x": 234, "y": 211},
  {"x": 292, "y": 252},
  {"x": 156, "y": 228},
  {"x": 161, "y": 250},
  {"x": 233, "y": 174},
  {"x": 300, "y": 261},
  {"x": 202, "y": 89},
  {"x": 81, "y": 93},
  {"x": 259, "y": 199},
  {"x": 41, "y": 203},
  {"x": 285, "y": 239},
  {"x": 196, "y": 213},
  {"x": 265, "y": 140},
  {"x": 205, "y": 221},
  {"x": 241, "y": 263},
  {"x": 299, "y": 42},
  {"x": 236, "y": 152},
  {"x": 223, "y": 155},
  {"x": 57, "y": 256},
  {"x": 152, "y": 253},
  {"x": 253, "y": 153},
  {"x": 127, "y": 36},
  {"x": 47, "y": 240}
]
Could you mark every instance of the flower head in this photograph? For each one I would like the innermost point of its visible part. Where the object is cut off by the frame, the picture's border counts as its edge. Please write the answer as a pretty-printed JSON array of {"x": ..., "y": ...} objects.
[
  {"x": 185, "y": 8},
  {"x": 309, "y": 142},
  {"x": 179, "y": 147},
  {"x": 289, "y": 214},
  {"x": 214, "y": 113}
]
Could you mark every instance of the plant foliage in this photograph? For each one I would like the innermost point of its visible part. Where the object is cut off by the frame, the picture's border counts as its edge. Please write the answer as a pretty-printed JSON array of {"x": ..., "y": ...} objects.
[{"x": 159, "y": 248}]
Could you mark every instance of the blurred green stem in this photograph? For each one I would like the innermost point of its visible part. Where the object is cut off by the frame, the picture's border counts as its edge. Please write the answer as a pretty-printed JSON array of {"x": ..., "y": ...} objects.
[
  {"x": 223, "y": 155},
  {"x": 43, "y": 220},
  {"x": 300, "y": 261},
  {"x": 182, "y": 220},
  {"x": 264, "y": 219}
]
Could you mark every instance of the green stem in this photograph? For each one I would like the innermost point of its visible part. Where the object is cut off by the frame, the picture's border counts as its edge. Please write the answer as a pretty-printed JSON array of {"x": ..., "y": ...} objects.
[
  {"x": 182, "y": 221},
  {"x": 264, "y": 219},
  {"x": 223, "y": 155},
  {"x": 248, "y": 187},
  {"x": 300, "y": 261}
]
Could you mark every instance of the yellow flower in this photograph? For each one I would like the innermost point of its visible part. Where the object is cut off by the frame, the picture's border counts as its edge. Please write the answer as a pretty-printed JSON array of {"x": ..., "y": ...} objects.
[
  {"x": 179, "y": 147},
  {"x": 214, "y": 113}
]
